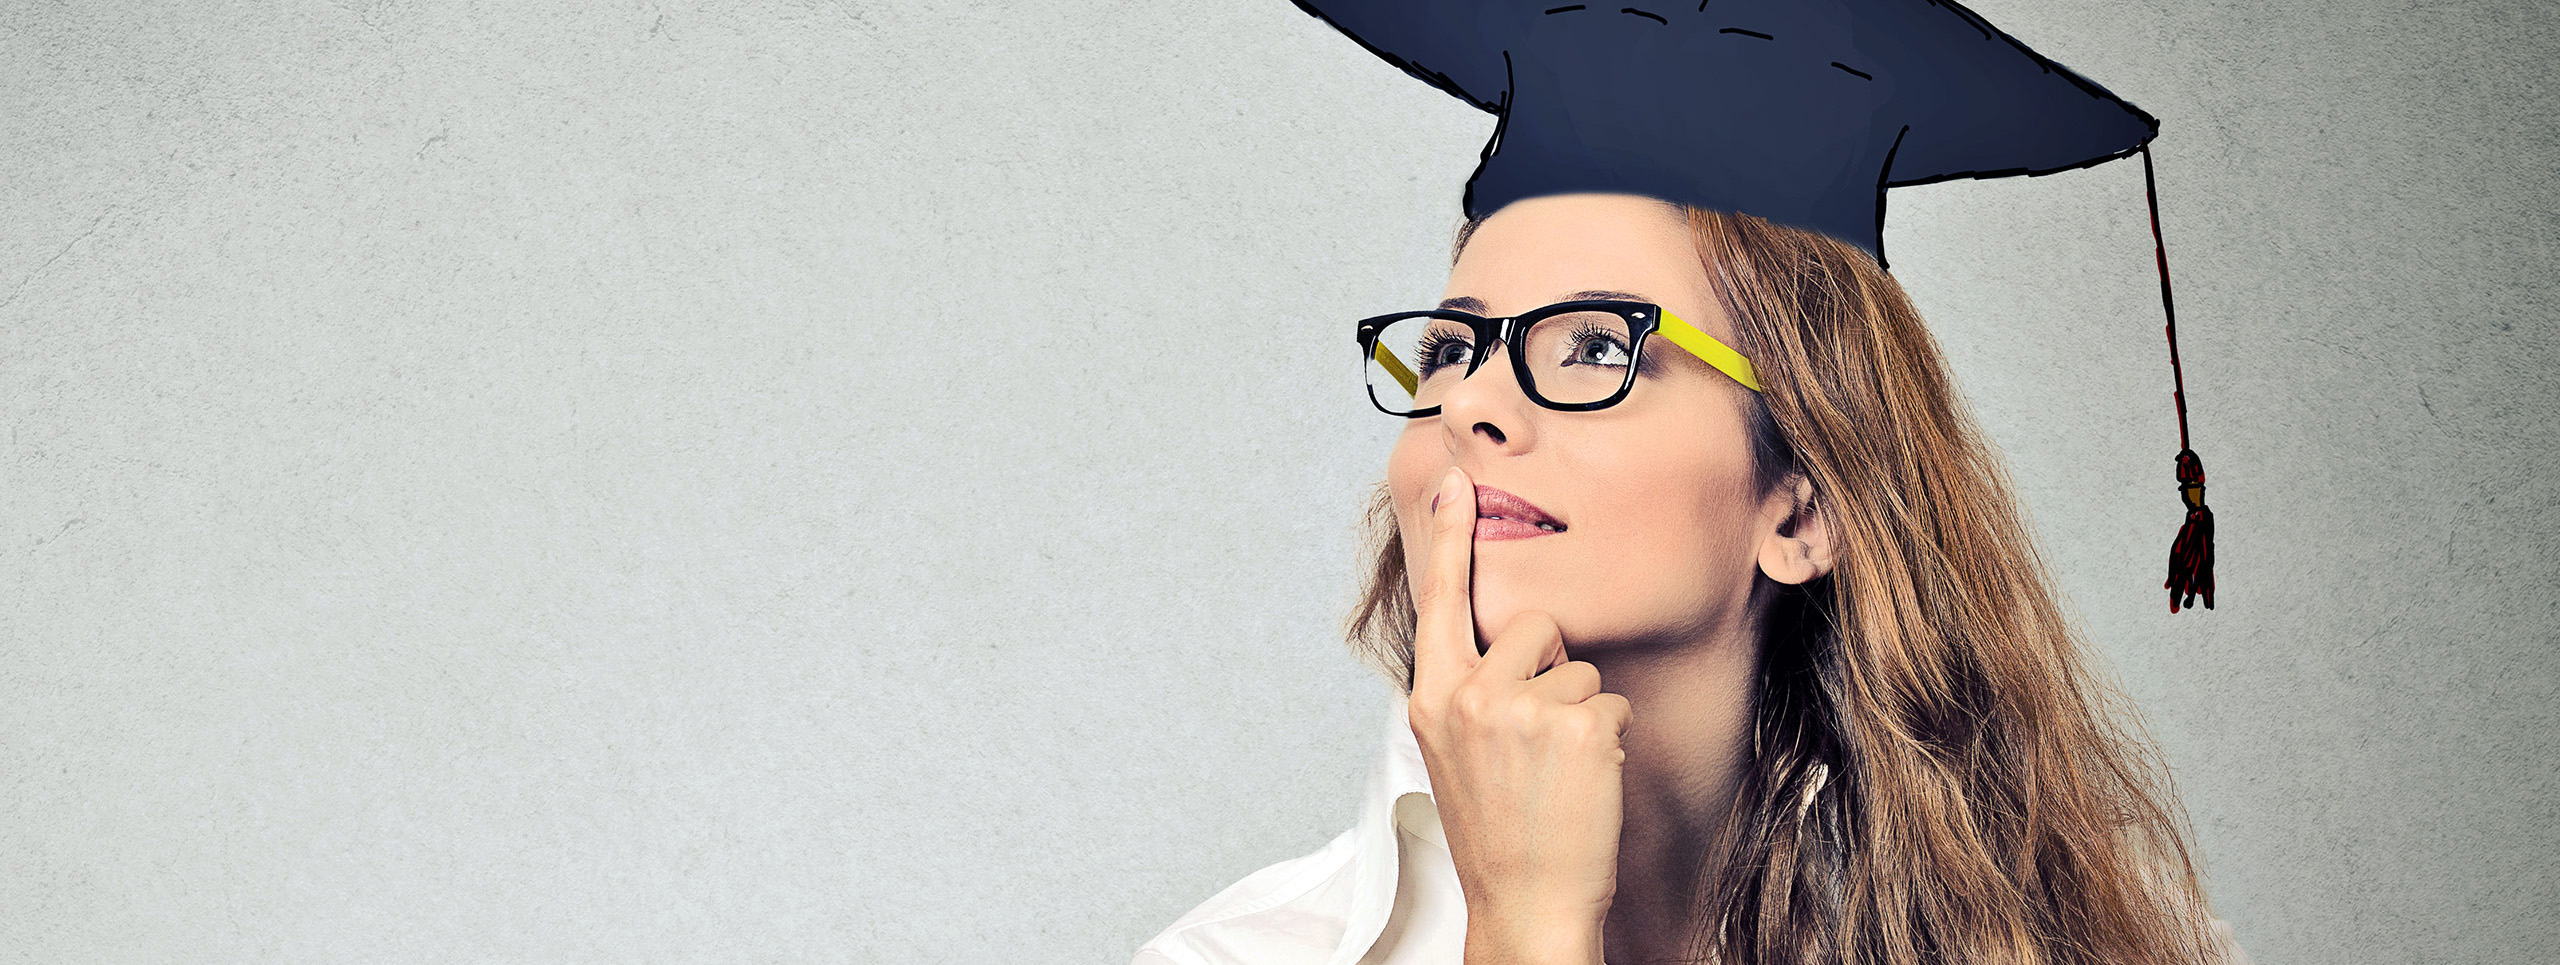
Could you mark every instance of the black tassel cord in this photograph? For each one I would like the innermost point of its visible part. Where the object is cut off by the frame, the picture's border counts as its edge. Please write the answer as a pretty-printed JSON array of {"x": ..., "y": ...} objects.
[{"x": 2191, "y": 557}]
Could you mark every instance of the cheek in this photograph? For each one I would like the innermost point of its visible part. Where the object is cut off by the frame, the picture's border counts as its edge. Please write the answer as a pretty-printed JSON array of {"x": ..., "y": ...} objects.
[
  {"x": 1415, "y": 463},
  {"x": 1673, "y": 544},
  {"x": 1414, "y": 469},
  {"x": 1700, "y": 512}
]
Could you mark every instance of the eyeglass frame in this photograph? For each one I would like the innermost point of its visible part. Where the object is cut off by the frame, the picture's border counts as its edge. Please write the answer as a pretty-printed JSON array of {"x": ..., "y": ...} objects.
[{"x": 1642, "y": 318}]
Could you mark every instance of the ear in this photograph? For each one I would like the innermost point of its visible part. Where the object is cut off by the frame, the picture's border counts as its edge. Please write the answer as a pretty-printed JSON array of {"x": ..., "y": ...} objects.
[{"x": 1796, "y": 548}]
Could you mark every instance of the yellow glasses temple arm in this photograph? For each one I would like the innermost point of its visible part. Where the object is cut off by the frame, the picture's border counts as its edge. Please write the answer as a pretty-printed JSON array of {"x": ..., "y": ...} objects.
[
  {"x": 1396, "y": 367},
  {"x": 1706, "y": 348}
]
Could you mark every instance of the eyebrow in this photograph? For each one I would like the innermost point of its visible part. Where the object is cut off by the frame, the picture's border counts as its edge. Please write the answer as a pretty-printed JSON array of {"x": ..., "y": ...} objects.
[{"x": 1473, "y": 306}]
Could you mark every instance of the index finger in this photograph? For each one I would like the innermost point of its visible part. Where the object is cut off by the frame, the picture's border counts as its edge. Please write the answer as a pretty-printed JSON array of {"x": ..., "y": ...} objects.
[{"x": 1444, "y": 628}]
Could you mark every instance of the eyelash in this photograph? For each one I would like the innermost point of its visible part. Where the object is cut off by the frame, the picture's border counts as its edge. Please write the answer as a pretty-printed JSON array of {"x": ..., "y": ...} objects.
[
  {"x": 1589, "y": 330},
  {"x": 1431, "y": 346}
]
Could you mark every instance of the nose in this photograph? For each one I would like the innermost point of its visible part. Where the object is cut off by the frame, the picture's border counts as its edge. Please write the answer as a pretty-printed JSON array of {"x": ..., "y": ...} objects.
[{"x": 1487, "y": 408}]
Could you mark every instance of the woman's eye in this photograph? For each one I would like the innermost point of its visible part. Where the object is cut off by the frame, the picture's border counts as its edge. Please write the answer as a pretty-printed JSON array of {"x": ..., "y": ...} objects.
[
  {"x": 1444, "y": 350},
  {"x": 1594, "y": 348}
]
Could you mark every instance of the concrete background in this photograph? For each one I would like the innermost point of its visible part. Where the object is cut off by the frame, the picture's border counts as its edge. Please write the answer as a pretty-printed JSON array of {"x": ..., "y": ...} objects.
[{"x": 791, "y": 480}]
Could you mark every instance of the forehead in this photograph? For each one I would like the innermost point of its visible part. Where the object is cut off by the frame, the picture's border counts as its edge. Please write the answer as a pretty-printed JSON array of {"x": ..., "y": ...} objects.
[{"x": 1538, "y": 250}]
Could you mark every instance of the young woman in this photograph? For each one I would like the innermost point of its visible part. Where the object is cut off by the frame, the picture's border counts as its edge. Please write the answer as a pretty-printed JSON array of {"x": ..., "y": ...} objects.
[{"x": 1721, "y": 639}]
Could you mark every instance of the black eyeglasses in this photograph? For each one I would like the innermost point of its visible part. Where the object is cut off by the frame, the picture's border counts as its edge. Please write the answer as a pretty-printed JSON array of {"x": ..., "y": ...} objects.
[{"x": 1571, "y": 356}]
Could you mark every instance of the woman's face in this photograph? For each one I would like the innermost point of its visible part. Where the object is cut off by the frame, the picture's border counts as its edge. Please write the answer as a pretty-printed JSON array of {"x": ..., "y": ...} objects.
[{"x": 1661, "y": 523}]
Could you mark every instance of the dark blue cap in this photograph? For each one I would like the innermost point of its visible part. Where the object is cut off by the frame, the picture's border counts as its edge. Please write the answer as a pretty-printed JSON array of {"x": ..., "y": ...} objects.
[{"x": 1798, "y": 111}]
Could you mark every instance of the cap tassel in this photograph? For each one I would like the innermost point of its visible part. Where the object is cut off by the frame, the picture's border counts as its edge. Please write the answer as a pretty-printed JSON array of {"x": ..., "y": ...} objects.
[{"x": 2191, "y": 557}]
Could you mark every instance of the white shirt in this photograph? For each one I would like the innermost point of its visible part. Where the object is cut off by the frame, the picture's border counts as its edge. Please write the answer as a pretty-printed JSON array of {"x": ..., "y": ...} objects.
[{"x": 1383, "y": 893}]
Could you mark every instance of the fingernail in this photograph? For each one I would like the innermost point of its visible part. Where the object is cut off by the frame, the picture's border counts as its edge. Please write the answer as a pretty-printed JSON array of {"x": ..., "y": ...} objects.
[{"x": 1449, "y": 487}]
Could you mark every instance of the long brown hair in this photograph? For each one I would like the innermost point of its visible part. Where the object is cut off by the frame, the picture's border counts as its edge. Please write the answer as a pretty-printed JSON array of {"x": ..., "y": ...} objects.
[{"x": 1937, "y": 773}]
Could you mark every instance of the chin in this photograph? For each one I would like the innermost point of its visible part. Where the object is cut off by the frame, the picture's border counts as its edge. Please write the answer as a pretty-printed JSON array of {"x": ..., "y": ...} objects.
[
  {"x": 1500, "y": 599},
  {"x": 1593, "y": 620}
]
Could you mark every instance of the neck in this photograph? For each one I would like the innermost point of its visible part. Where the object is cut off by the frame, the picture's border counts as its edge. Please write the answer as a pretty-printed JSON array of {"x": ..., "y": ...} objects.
[{"x": 1686, "y": 747}]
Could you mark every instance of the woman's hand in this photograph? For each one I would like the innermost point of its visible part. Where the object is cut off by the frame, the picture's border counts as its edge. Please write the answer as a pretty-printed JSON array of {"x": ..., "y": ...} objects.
[{"x": 1522, "y": 747}]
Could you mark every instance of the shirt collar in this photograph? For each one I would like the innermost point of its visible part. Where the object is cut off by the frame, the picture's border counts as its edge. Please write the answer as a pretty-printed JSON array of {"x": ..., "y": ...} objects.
[
  {"x": 1406, "y": 783},
  {"x": 1398, "y": 796}
]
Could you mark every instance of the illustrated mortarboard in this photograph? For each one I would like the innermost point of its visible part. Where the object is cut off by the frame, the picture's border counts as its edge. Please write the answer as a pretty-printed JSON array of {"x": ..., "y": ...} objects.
[{"x": 1800, "y": 112}]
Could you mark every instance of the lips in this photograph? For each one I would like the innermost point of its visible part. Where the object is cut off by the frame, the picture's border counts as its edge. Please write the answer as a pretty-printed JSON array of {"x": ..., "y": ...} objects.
[{"x": 1501, "y": 516}]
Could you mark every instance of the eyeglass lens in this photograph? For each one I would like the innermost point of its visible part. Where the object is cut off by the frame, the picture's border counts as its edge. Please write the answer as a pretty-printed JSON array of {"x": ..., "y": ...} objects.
[{"x": 1573, "y": 358}]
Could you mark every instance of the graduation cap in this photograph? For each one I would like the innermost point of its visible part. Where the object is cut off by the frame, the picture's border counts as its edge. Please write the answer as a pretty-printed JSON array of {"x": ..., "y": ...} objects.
[{"x": 1800, "y": 112}]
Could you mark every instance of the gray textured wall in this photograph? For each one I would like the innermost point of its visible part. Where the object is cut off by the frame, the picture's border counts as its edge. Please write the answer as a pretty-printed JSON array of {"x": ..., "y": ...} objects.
[{"x": 850, "y": 481}]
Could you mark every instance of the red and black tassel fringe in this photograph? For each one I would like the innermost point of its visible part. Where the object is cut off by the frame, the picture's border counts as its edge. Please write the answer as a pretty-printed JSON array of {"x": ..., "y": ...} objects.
[{"x": 2191, "y": 557}]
